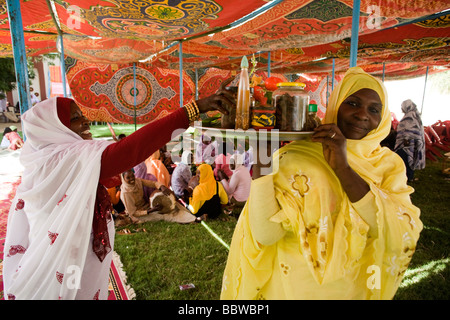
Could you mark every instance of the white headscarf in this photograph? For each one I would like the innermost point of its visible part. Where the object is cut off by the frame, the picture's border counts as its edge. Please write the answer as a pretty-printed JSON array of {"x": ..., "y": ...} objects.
[
  {"x": 50, "y": 221},
  {"x": 238, "y": 160},
  {"x": 186, "y": 157}
]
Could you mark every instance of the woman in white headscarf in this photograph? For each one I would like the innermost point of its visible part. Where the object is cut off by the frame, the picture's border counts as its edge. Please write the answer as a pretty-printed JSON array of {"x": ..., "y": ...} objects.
[
  {"x": 60, "y": 232},
  {"x": 238, "y": 185},
  {"x": 410, "y": 141},
  {"x": 181, "y": 176}
]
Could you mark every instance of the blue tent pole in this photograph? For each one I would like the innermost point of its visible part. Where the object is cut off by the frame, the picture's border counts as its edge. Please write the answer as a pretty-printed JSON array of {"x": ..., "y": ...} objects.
[
  {"x": 269, "y": 63},
  {"x": 180, "y": 58},
  {"x": 196, "y": 84},
  {"x": 384, "y": 66},
  {"x": 355, "y": 31},
  {"x": 20, "y": 57},
  {"x": 327, "y": 90},
  {"x": 332, "y": 76},
  {"x": 424, "y": 88},
  {"x": 63, "y": 65},
  {"x": 49, "y": 84},
  {"x": 134, "y": 94}
]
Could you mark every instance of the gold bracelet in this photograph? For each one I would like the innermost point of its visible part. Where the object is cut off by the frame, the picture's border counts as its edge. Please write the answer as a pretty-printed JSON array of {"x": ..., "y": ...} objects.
[
  {"x": 193, "y": 114},
  {"x": 196, "y": 106}
]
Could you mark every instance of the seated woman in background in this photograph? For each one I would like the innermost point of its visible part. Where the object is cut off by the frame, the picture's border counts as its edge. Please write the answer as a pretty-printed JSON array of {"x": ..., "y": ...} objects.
[
  {"x": 5, "y": 141},
  {"x": 166, "y": 158},
  {"x": 140, "y": 171},
  {"x": 181, "y": 176},
  {"x": 158, "y": 169},
  {"x": 238, "y": 186},
  {"x": 15, "y": 140},
  {"x": 222, "y": 162},
  {"x": 114, "y": 193},
  {"x": 132, "y": 194},
  {"x": 208, "y": 196},
  {"x": 206, "y": 150}
]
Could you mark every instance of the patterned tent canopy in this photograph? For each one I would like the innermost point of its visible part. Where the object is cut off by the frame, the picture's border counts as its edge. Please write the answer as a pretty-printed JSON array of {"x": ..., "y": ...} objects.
[
  {"x": 103, "y": 39},
  {"x": 296, "y": 32}
]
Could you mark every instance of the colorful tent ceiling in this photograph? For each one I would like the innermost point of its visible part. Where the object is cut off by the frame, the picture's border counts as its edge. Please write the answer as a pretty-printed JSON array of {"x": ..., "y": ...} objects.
[
  {"x": 296, "y": 32},
  {"x": 106, "y": 92}
]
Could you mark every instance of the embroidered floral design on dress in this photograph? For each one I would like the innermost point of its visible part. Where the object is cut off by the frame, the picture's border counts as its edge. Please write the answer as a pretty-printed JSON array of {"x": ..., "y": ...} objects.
[
  {"x": 20, "y": 204},
  {"x": 402, "y": 215},
  {"x": 411, "y": 221},
  {"x": 52, "y": 236},
  {"x": 393, "y": 265},
  {"x": 16, "y": 249},
  {"x": 59, "y": 276},
  {"x": 96, "y": 295},
  {"x": 65, "y": 196},
  {"x": 300, "y": 183},
  {"x": 259, "y": 295},
  {"x": 285, "y": 268}
]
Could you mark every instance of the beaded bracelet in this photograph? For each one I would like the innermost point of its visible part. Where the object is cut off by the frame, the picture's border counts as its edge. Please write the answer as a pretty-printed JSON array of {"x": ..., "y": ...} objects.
[
  {"x": 192, "y": 111},
  {"x": 196, "y": 107}
]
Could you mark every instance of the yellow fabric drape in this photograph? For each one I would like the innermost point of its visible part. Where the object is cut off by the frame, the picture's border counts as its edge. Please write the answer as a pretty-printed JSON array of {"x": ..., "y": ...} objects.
[{"x": 328, "y": 250}]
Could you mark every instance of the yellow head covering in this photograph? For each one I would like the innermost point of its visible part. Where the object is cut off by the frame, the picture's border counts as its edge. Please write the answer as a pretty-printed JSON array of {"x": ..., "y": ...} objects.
[
  {"x": 207, "y": 184},
  {"x": 354, "y": 80}
]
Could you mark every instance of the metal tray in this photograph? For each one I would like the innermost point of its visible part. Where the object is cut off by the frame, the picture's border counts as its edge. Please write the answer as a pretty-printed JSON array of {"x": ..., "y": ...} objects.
[{"x": 257, "y": 134}]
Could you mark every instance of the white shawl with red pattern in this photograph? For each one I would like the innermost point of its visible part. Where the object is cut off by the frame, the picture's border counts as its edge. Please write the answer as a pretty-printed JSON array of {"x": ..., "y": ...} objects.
[{"x": 48, "y": 249}]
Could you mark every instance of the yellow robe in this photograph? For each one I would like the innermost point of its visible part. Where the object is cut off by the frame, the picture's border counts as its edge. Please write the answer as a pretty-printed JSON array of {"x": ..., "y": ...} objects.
[{"x": 328, "y": 247}]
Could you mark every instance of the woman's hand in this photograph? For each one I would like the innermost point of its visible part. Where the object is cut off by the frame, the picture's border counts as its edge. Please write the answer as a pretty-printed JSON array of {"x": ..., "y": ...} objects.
[
  {"x": 166, "y": 191},
  {"x": 223, "y": 100},
  {"x": 334, "y": 145},
  {"x": 222, "y": 175},
  {"x": 194, "y": 181}
]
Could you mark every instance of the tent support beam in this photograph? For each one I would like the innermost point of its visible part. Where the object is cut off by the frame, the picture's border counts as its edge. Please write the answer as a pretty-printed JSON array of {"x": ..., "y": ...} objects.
[
  {"x": 63, "y": 66},
  {"x": 53, "y": 14},
  {"x": 20, "y": 57},
  {"x": 424, "y": 89},
  {"x": 327, "y": 90},
  {"x": 134, "y": 94},
  {"x": 332, "y": 76},
  {"x": 196, "y": 84},
  {"x": 180, "y": 58},
  {"x": 355, "y": 32}
]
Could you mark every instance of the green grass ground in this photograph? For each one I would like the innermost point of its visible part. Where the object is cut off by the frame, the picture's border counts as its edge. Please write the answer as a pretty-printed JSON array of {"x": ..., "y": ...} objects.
[{"x": 428, "y": 275}]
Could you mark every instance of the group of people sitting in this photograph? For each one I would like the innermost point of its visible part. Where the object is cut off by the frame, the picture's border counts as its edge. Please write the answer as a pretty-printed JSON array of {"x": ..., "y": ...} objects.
[{"x": 217, "y": 180}]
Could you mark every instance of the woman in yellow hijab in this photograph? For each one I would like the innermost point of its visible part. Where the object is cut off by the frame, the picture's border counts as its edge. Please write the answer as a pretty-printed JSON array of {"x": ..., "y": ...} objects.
[
  {"x": 209, "y": 195},
  {"x": 334, "y": 220}
]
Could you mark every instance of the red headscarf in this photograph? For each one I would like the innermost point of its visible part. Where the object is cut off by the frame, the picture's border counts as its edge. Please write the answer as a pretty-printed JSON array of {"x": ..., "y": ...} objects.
[{"x": 63, "y": 107}]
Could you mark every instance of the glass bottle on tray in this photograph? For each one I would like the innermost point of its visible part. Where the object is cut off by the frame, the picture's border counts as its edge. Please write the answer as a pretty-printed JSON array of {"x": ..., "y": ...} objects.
[
  {"x": 312, "y": 120},
  {"x": 243, "y": 100},
  {"x": 291, "y": 104}
]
